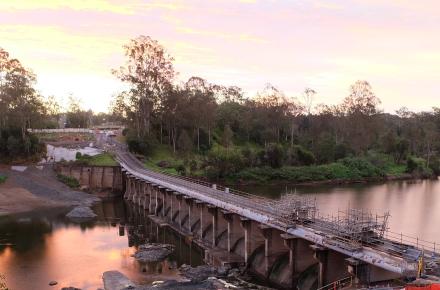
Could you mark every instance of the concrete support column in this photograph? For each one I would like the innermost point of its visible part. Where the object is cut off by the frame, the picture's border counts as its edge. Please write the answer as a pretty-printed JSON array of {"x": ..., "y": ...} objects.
[
  {"x": 179, "y": 216},
  {"x": 145, "y": 195},
  {"x": 127, "y": 187},
  {"x": 164, "y": 204},
  {"x": 133, "y": 189},
  {"x": 150, "y": 197},
  {"x": 229, "y": 217},
  {"x": 169, "y": 203},
  {"x": 156, "y": 201},
  {"x": 321, "y": 254},
  {"x": 247, "y": 226},
  {"x": 171, "y": 206},
  {"x": 139, "y": 193},
  {"x": 357, "y": 269},
  {"x": 291, "y": 243},
  {"x": 267, "y": 233},
  {"x": 201, "y": 207},
  {"x": 189, "y": 202},
  {"x": 213, "y": 211}
]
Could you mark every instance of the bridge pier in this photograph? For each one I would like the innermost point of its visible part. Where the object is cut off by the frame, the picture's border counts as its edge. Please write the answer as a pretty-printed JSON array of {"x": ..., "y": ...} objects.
[
  {"x": 291, "y": 243},
  {"x": 233, "y": 229},
  {"x": 246, "y": 225},
  {"x": 202, "y": 219},
  {"x": 232, "y": 233},
  {"x": 214, "y": 221},
  {"x": 321, "y": 254}
]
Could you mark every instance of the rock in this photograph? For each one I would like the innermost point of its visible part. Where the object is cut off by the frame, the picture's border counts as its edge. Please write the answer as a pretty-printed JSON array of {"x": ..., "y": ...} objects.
[
  {"x": 163, "y": 164},
  {"x": 115, "y": 280},
  {"x": 81, "y": 212},
  {"x": 53, "y": 283},
  {"x": 202, "y": 273},
  {"x": 153, "y": 252}
]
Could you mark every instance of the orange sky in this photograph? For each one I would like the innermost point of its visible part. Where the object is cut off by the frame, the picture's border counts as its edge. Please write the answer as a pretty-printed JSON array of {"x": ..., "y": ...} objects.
[{"x": 72, "y": 45}]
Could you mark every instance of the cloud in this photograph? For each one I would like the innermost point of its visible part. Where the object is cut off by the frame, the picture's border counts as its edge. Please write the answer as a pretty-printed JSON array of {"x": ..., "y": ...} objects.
[{"x": 97, "y": 5}]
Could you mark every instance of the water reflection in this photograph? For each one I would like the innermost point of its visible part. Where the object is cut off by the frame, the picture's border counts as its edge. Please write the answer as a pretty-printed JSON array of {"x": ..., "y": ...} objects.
[
  {"x": 414, "y": 205},
  {"x": 43, "y": 246}
]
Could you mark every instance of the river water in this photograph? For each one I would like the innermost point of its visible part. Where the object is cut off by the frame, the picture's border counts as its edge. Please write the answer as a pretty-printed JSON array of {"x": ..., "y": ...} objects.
[
  {"x": 414, "y": 206},
  {"x": 42, "y": 246},
  {"x": 39, "y": 247}
]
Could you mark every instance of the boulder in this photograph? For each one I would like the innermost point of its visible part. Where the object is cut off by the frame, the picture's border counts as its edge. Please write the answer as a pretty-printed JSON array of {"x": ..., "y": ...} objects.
[
  {"x": 153, "y": 252},
  {"x": 202, "y": 272},
  {"x": 81, "y": 212},
  {"x": 115, "y": 280}
]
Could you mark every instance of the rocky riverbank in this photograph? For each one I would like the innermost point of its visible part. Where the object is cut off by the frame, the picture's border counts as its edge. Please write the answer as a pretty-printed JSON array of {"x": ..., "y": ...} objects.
[
  {"x": 199, "y": 278},
  {"x": 36, "y": 187}
]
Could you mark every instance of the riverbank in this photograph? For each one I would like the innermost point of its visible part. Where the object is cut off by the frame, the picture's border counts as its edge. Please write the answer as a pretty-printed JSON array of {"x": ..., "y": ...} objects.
[{"x": 29, "y": 188}]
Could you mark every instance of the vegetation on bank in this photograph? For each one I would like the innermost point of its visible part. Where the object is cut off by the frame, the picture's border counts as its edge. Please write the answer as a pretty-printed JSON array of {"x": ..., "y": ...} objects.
[
  {"x": 215, "y": 132},
  {"x": 103, "y": 159},
  {"x": 252, "y": 164},
  {"x": 71, "y": 182},
  {"x": 16, "y": 147},
  {"x": 3, "y": 178}
]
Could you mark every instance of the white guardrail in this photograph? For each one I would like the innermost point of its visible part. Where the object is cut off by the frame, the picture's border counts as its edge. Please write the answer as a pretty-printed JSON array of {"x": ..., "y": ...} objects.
[{"x": 66, "y": 130}]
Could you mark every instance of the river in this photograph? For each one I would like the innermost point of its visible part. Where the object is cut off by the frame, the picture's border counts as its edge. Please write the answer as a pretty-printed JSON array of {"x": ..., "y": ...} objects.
[
  {"x": 414, "y": 206},
  {"x": 39, "y": 247},
  {"x": 44, "y": 246}
]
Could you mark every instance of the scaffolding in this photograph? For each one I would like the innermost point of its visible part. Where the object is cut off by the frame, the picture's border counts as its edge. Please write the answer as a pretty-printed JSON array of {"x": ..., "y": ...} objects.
[
  {"x": 294, "y": 208},
  {"x": 357, "y": 226}
]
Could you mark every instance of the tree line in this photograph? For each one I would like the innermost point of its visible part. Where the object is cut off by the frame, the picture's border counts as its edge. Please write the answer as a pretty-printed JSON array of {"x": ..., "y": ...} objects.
[
  {"x": 23, "y": 107},
  {"x": 210, "y": 119}
]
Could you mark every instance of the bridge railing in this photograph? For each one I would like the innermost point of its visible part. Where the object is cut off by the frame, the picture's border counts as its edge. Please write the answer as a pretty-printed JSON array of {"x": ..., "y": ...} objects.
[
  {"x": 340, "y": 284},
  {"x": 389, "y": 242},
  {"x": 65, "y": 130}
]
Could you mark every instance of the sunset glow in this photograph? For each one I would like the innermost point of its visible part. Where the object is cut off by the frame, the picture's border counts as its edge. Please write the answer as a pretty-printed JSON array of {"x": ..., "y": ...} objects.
[{"x": 72, "y": 45}]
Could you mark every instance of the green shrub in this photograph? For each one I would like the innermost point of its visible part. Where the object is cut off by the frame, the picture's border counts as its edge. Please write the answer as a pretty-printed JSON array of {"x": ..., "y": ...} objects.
[
  {"x": 69, "y": 181},
  {"x": 362, "y": 167},
  {"x": 348, "y": 169},
  {"x": 3, "y": 178},
  {"x": 417, "y": 167},
  {"x": 435, "y": 165},
  {"x": 274, "y": 155},
  {"x": 221, "y": 163}
]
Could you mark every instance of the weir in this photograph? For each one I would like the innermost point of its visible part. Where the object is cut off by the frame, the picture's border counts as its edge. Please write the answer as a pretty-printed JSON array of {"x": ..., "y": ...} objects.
[{"x": 284, "y": 242}]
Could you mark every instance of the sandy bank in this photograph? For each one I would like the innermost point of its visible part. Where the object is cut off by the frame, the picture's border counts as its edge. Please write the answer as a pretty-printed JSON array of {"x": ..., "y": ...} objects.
[{"x": 36, "y": 188}]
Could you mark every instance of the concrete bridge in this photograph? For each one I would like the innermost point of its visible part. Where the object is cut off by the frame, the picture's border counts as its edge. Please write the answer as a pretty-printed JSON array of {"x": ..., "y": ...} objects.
[
  {"x": 285, "y": 243},
  {"x": 239, "y": 228}
]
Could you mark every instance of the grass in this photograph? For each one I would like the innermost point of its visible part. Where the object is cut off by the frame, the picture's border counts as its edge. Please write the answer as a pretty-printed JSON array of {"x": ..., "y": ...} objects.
[
  {"x": 163, "y": 154},
  {"x": 3, "y": 178},
  {"x": 396, "y": 170},
  {"x": 69, "y": 181},
  {"x": 103, "y": 159}
]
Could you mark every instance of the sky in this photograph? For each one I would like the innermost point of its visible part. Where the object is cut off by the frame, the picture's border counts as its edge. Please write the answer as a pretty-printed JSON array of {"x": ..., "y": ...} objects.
[{"x": 72, "y": 45}]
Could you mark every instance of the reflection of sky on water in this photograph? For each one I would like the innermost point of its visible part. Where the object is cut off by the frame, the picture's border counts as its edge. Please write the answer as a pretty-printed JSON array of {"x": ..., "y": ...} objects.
[
  {"x": 413, "y": 205},
  {"x": 48, "y": 247},
  {"x": 59, "y": 153}
]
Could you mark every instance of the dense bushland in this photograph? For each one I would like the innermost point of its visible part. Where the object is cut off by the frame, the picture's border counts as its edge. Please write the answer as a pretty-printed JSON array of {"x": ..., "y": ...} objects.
[
  {"x": 217, "y": 132},
  {"x": 15, "y": 146}
]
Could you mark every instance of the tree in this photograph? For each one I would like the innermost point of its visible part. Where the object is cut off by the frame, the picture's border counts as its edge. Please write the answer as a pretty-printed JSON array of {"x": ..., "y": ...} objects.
[
  {"x": 149, "y": 73},
  {"x": 227, "y": 136},
  {"x": 308, "y": 97},
  {"x": 361, "y": 100},
  {"x": 185, "y": 143}
]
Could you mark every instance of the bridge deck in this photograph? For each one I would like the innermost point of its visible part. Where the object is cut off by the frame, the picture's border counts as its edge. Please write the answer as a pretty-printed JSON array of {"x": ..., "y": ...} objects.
[{"x": 261, "y": 210}]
